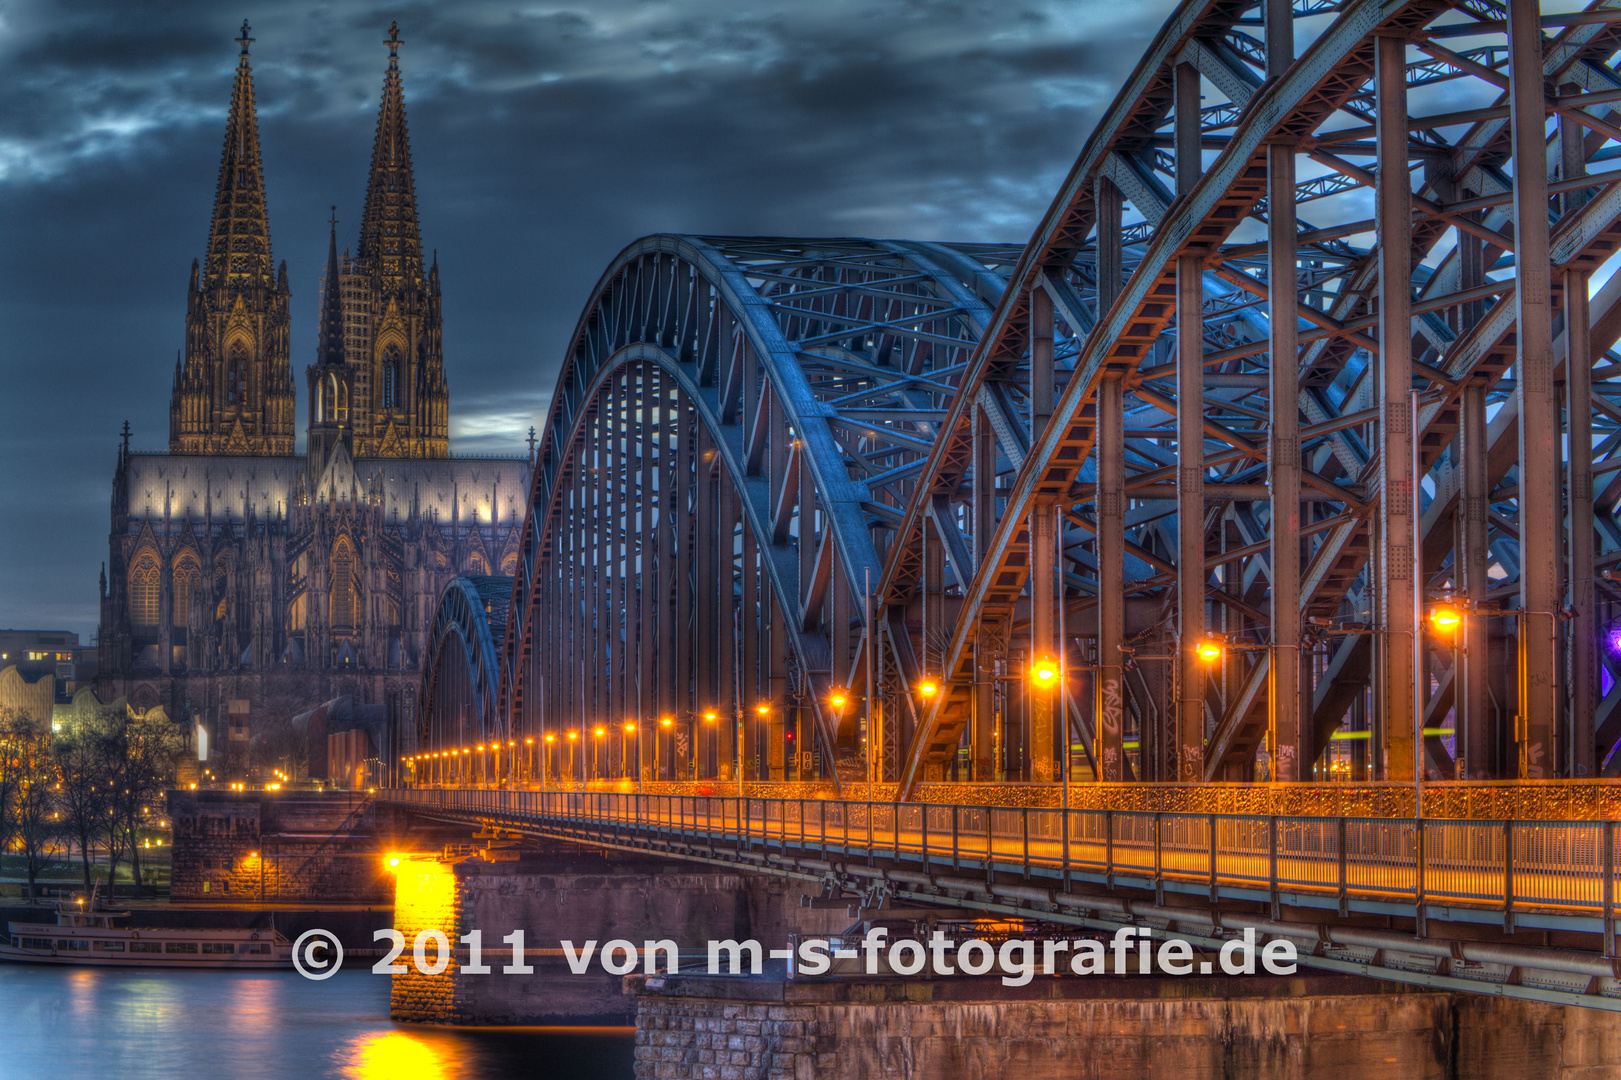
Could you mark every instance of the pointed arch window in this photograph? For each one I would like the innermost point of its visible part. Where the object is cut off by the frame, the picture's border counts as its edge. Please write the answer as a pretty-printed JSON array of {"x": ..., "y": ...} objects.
[
  {"x": 145, "y": 589},
  {"x": 188, "y": 574},
  {"x": 236, "y": 375},
  {"x": 345, "y": 603},
  {"x": 391, "y": 378},
  {"x": 334, "y": 403}
]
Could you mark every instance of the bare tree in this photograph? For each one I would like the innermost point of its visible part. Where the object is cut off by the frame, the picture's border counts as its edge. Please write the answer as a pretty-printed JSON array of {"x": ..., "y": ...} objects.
[
  {"x": 10, "y": 768},
  {"x": 83, "y": 760},
  {"x": 33, "y": 796},
  {"x": 145, "y": 751}
]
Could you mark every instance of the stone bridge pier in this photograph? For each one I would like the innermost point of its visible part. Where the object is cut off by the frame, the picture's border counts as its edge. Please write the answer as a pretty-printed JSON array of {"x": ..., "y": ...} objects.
[
  {"x": 1313, "y": 1026},
  {"x": 557, "y": 893}
]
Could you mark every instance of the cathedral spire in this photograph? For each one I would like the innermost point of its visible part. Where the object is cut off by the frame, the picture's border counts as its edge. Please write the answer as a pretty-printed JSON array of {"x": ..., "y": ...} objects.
[
  {"x": 234, "y": 391},
  {"x": 329, "y": 349},
  {"x": 390, "y": 238},
  {"x": 239, "y": 238}
]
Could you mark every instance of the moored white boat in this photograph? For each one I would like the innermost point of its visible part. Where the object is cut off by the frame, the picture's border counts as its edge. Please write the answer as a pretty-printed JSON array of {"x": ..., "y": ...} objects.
[{"x": 84, "y": 935}]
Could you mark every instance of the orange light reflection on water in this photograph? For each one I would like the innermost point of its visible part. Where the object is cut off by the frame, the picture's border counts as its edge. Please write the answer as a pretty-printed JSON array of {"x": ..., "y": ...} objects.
[{"x": 397, "y": 1055}]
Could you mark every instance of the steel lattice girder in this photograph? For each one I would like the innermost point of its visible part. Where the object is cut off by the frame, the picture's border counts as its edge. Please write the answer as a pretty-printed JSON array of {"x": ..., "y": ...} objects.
[
  {"x": 831, "y": 356},
  {"x": 1461, "y": 187},
  {"x": 462, "y": 672}
]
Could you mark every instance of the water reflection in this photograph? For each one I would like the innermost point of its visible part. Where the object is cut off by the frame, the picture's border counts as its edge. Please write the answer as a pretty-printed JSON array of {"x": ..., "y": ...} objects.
[
  {"x": 179, "y": 1025},
  {"x": 394, "y": 1053}
]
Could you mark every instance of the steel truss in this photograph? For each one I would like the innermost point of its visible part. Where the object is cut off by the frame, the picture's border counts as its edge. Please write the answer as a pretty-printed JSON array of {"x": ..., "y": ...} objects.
[
  {"x": 739, "y": 425},
  {"x": 1290, "y": 490},
  {"x": 748, "y": 429}
]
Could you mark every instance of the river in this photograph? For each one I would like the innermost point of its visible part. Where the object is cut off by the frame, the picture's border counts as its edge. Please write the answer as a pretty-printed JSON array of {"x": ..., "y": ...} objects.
[{"x": 183, "y": 1025}]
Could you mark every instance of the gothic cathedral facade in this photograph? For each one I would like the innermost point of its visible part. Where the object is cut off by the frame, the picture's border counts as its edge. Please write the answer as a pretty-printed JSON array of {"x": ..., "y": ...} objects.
[{"x": 245, "y": 582}]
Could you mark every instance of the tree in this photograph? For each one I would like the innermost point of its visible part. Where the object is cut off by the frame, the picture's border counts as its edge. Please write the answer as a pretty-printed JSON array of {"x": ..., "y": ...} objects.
[
  {"x": 83, "y": 760},
  {"x": 33, "y": 794},
  {"x": 9, "y": 770},
  {"x": 144, "y": 752}
]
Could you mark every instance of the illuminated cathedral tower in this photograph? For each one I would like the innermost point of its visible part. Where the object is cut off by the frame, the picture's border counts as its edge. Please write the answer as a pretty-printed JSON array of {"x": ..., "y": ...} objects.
[
  {"x": 389, "y": 396},
  {"x": 247, "y": 583},
  {"x": 233, "y": 385}
]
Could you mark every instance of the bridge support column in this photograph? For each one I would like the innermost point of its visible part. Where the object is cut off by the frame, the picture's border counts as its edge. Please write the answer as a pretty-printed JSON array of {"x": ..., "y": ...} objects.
[
  {"x": 1188, "y": 744},
  {"x": 984, "y": 723},
  {"x": 1583, "y": 629},
  {"x": 1396, "y": 675},
  {"x": 1539, "y": 475},
  {"x": 1291, "y": 757},
  {"x": 1109, "y": 704},
  {"x": 1475, "y": 742},
  {"x": 646, "y": 688},
  {"x": 1043, "y": 541},
  {"x": 728, "y": 702}
]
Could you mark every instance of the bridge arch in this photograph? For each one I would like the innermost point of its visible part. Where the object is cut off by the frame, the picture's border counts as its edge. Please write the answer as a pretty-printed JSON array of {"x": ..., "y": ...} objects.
[
  {"x": 459, "y": 724},
  {"x": 737, "y": 421}
]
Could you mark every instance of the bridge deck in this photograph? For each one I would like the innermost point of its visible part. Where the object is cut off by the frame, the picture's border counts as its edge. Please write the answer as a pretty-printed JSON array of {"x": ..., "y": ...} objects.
[{"x": 1557, "y": 877}]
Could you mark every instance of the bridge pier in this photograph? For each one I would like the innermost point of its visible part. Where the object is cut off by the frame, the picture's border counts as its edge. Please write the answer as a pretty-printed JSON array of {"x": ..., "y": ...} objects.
[
  {"x": 563, "y": 893},
  {"x": 1300, "y": 1027}
]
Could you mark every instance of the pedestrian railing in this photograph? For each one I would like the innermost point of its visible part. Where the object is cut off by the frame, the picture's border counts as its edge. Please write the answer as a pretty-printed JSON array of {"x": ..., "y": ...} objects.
[{"x": 1558, "y": 866}]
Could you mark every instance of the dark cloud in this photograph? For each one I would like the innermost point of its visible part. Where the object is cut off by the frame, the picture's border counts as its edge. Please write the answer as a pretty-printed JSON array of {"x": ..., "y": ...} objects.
[{"x": 546, "y": 137}]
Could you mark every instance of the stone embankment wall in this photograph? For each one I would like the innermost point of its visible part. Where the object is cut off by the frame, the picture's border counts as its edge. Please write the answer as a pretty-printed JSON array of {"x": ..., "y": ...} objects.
[
  {"x": 1122, "y": 1029},
  {"x": 297, "y": 846}
]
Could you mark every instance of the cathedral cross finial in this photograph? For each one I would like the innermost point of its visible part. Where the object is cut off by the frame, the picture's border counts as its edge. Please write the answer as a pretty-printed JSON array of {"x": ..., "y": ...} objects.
[
  {"x": 532, "y": 442},
  {"x": 126, "y": 436},
  {"x": 394, "y": 42},
  {"x": 333, "y": 220},
  {"x": 246, "y": 39}
]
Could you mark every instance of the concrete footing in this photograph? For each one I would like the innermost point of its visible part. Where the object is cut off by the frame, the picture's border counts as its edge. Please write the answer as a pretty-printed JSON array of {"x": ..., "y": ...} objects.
[{"x": 1121, "y": 1028}]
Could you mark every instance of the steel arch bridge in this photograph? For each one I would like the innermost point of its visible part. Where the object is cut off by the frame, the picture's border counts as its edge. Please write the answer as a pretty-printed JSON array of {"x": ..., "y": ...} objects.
[
  {"x": 458, "y": 705},
  {"x": 1225, "y": 561}
]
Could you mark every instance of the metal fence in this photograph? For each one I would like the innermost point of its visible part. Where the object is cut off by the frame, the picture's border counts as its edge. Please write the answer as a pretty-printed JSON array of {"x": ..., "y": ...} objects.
[{"x": 1561, "y": 866}]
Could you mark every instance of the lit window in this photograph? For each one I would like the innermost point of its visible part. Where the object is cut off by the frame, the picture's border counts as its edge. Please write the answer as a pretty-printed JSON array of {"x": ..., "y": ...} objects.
[
  {"x": 187, "y": 576},
  {"x": 144, "y": 591}
]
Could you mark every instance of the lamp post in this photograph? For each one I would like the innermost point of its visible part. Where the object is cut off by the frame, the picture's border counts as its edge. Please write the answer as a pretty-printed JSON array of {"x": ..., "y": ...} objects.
[
  {"x": 763, "y": 711},
  {"x": 710, "y": 718}
]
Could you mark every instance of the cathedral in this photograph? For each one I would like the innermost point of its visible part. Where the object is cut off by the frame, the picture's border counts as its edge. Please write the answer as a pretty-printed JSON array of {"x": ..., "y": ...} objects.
[{"x": 245, "y": 582}]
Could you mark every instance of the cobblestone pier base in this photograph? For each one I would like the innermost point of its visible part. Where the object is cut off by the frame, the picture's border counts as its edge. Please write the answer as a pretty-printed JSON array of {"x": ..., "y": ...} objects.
[{"x": 1133, "y": 1028}]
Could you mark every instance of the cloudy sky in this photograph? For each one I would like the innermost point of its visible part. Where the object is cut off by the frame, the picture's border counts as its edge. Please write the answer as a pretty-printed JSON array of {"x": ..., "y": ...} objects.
[{"x": 546, "y": 137}]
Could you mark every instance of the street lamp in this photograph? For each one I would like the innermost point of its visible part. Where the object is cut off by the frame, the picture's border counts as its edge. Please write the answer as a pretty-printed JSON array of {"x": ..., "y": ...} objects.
[
  {"x": 928, "y": 687},
  {"x": 1044, "y": 672},
  {"x": 1209, "y": 650},
  {"x": 1446, "y": 619}
]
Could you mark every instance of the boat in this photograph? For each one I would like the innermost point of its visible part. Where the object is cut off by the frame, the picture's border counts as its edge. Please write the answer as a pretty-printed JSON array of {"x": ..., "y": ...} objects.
[{"x": 86, "y": 934}]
